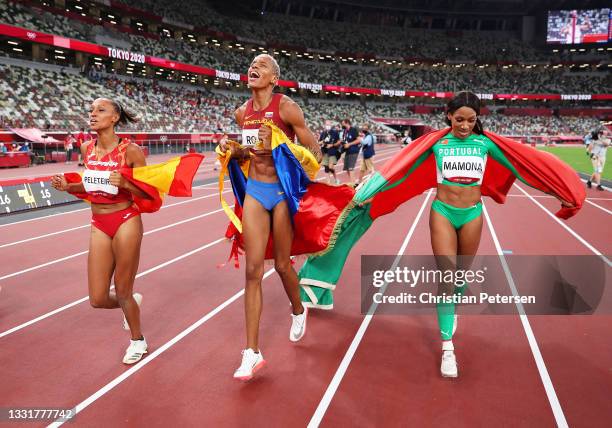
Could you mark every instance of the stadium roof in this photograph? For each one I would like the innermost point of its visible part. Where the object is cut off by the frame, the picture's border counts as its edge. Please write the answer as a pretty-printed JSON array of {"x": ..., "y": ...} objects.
[{"x": 522, "y": 7}]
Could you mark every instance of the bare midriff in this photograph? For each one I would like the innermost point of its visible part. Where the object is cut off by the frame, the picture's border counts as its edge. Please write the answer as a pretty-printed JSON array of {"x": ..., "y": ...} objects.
[
  {"x": 459, "y": 196},
  {"x": 262, "y": 166}
]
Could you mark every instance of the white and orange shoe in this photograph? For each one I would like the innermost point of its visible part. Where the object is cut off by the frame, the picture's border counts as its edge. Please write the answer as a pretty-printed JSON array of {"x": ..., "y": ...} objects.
[{"x": 251, "y": 363}]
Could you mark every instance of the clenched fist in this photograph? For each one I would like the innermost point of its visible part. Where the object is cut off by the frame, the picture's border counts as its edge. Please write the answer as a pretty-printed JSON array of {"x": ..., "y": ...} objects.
[{"x": 59, "y": 182}]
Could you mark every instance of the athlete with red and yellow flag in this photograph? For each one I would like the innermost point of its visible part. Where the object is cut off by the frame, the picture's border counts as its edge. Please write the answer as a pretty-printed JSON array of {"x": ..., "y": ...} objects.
[{"x": 119, "y": 186}]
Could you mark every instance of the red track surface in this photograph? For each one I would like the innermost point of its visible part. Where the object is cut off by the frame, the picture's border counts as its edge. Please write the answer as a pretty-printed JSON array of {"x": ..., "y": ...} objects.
[{"x": 391, "y": 380}]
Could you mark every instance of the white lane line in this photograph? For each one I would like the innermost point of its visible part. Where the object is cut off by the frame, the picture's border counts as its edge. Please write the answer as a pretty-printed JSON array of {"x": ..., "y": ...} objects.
[
  {"x": 552, "y": 197},
  {"x": 588, "y": 200},
  {"x": 69, "y": 305},
  {"x": 335, "y": 382},
  {"x": 84, "y": 299},
  {"x": 599, "y": 206},
  {"x": 52, "y": 262},
  {"x": 533, "y": 343},
  {"x": 125, "y": 375},
  {"x": 88, "y": 209},
  {"x": 178, "y": 203},
  {"x": 62, "y": 259},
  {"x": 566, "y": 227},
  {"x": 46, "y": 235},
  {"x": 44, "y": 217}
]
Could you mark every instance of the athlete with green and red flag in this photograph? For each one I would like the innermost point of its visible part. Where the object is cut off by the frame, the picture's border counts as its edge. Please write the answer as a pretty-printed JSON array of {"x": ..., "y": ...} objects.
[{"x": 463, "y": 162}]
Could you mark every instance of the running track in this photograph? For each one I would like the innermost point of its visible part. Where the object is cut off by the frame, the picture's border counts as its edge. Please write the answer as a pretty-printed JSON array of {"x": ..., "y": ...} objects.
[{"x": 349, "y": 370}]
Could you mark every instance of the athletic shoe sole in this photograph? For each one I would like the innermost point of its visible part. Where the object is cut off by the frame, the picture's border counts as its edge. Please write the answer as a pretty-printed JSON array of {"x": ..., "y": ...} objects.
[
  {"x": 134, "y": 362},
  {"x": 255, "y": 370},
  {"x": 453, "y": 375}
]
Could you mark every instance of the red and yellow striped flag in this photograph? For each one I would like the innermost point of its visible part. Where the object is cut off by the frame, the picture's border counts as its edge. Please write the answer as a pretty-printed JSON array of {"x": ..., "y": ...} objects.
[{"x": 173, "y": 177}]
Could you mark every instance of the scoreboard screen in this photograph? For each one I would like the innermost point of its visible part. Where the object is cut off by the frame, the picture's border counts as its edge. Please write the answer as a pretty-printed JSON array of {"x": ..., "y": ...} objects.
[
  {"x": 569, "y": 27},
  {"x": 31, "y": 194}
]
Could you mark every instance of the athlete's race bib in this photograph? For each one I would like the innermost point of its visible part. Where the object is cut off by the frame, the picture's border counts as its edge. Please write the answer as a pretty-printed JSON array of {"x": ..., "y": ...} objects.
[
  {"x": 250, "y": 137},
  {"x": 98, "y": 181},
  {"x": 463, "y": 169}
]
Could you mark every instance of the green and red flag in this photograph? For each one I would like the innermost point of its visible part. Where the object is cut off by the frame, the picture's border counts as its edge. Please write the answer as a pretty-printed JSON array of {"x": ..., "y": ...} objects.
[{"x": 413, "y": 171}]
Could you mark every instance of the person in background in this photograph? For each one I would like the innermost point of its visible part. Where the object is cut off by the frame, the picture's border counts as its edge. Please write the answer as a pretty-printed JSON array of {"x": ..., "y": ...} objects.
[
  {"x": 587, "y": 142},
  {"x": 367, "y": 141},
  {"x": 69, "y": 142},
  {"x": 25, "y": 148},
  {"x": 80, "y": 139},
  {"x": 330, "y": 141},
  {"x": 350, "y": 144},
  {"x": 407, "y": 139},
  {"x": 597, "y": 150}
]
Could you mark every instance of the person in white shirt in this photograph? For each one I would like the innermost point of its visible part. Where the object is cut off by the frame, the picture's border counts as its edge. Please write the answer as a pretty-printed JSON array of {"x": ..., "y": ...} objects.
[
  {"x": 406, "y": 140},
  {"x": 597, "y": 150}
]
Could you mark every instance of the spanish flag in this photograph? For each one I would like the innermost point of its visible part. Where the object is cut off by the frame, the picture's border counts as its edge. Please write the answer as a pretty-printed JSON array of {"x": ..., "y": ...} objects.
[
  {"x": 315, "y": 207},
  {"x": 173, "y": 177},
  {"x": 413, "y": 171}
]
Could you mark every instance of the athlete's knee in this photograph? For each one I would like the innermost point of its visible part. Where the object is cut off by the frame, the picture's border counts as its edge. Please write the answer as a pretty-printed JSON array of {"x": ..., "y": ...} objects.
[
  {"x": 123, "y": 294},
  {"x": 283, "y": 267},
  {"x": 98, "y": 302},
  {"x": 254, "y": 272}
]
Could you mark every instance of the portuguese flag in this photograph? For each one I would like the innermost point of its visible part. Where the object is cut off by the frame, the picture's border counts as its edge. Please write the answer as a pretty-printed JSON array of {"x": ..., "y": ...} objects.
[
  {"x": 173, "y": 177},
  {"x": 413, "y": 171}
]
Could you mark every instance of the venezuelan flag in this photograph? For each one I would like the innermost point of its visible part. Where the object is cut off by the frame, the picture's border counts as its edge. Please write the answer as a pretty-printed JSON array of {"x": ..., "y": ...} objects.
[
  {"x": 413, "y": 171},
  {"x": 315, "y": 207},
  {"x": 173, "y": 177}
]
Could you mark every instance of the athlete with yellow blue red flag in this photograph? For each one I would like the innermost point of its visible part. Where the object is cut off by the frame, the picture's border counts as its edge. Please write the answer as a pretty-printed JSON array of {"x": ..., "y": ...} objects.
[{"x": 279, "y": 210}]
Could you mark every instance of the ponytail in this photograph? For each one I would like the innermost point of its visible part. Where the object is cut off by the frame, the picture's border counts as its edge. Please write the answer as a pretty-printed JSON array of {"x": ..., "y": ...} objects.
[{"x": 125, "y": 115}]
